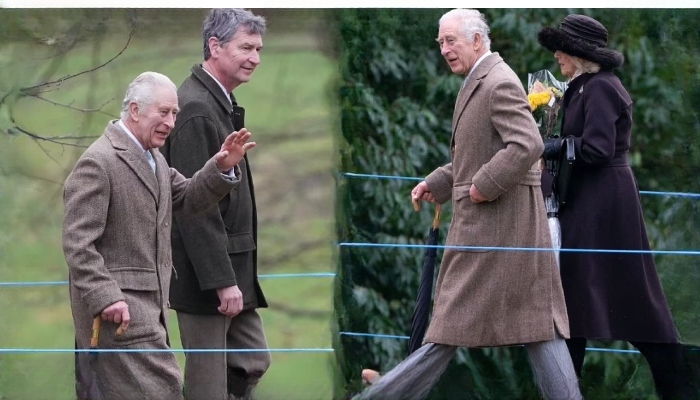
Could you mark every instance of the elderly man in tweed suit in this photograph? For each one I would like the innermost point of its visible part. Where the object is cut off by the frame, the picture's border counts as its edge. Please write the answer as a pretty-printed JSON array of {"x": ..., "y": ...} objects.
[
  {"x": 119, "y": 201},
  {"x": 489, "y": 298}
]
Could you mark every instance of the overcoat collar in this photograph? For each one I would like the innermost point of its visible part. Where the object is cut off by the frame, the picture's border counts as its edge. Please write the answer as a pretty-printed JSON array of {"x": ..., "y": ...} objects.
[
  {"x": 133, "y": 156},
  {"x": 474, "y": 80},
  {"x": 212, "y": 86}
]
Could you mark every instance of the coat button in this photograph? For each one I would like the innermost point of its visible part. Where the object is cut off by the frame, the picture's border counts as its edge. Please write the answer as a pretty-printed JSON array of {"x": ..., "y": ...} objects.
[{"x": 167, "y": 224}]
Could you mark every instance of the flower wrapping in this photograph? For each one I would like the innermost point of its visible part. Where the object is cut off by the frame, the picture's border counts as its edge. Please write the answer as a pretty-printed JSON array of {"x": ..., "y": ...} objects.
[{"x": 544, "y": 93}]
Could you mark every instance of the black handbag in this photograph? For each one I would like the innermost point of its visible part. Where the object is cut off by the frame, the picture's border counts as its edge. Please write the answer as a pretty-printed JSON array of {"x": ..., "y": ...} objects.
[{"x": 566, "y": 164}]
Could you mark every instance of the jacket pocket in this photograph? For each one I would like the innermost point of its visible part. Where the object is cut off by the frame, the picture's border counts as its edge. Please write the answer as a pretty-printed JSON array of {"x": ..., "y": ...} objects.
[
  {"x": 135, "y": 278},
  {"x": 141, "y": 293},
  {"x": 473, "y": 224},
  {"x": 240, "y": 243},
  {"x": 461, "y": 192}
]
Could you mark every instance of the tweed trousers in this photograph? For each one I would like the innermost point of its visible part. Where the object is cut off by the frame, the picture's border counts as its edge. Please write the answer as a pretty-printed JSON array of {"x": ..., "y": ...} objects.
[{"x": 222, "y": 376}]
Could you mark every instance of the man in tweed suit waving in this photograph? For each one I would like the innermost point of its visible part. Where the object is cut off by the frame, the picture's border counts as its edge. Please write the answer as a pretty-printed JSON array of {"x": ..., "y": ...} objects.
[{"x": 119, "y": 201}]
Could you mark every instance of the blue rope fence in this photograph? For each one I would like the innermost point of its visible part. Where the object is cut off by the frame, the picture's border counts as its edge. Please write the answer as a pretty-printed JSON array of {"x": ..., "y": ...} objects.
[
  {"x": 262, "y": 276},
  {"x": 497, "y": 248},
  {"x": 401, "y": 337},
  {"x": 333, "y": 275}
]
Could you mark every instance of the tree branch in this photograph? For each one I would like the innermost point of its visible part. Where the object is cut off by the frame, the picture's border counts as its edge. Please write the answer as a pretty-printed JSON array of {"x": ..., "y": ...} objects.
[
  {"x": 42, "y": 87},
  {"x": 70, "y": 106},
  {"x": 50, "y": 139}
]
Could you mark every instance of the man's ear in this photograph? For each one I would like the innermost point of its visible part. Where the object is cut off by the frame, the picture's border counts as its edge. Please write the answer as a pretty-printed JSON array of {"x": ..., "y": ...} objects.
[
  {"x": 477, "y": 41},
  {"x": 134, "y": 111},
  {"x": 214, "y": 46}
]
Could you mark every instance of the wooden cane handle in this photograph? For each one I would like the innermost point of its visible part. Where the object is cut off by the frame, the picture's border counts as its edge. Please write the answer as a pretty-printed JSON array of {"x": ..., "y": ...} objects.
[
  {"x": 436, "y": 220},
  {"x": 95, "y": 332},
  {"x": 416, "y": 204}
]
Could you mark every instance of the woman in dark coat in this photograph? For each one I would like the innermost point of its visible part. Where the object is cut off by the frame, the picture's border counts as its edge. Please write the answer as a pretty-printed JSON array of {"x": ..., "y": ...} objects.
[{"x": 609, "y": 296}]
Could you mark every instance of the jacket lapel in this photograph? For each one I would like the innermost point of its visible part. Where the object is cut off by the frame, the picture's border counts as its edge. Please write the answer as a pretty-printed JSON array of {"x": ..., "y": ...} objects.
[
  {"x": 472, "y": 84},
  {"x": 467, "y": 90},
  {"x": 163, "y": 174},
  {"x": 462, "y": 99},
  {"x": 212, "y": 86},
  {"x": 132, "y": 156},
  {"x": 235, "y": 112}
]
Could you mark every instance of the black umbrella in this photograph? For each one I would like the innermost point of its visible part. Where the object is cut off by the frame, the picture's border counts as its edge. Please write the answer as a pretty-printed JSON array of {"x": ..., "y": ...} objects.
[
  {"x": 425, "y": 291},
  {"x": 86, "y": 381}
]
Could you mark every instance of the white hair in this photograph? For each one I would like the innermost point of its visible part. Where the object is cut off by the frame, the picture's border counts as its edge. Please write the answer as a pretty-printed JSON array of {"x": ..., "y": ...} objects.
[
  {"x": 142, "y": 91},
  {"x": 584, "y": 66},
  {"x": 473, "y": 22}
]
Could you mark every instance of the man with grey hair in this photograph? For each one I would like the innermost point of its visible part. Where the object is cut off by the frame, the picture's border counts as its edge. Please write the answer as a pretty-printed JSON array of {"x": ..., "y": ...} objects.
[
  {"x": 118, "y": 206},
  {"x": 216, "y": 291},
  {"x": 489, "y": 298}
]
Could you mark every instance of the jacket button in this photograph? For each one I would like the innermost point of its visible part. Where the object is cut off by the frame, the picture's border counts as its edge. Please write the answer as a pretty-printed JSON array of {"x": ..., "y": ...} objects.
[{"x": 167, "y": 224}]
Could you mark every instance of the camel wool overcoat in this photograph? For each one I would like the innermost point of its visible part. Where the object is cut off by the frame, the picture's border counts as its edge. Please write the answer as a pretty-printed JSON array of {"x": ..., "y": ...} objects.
[{"x": 489, "y": 297}]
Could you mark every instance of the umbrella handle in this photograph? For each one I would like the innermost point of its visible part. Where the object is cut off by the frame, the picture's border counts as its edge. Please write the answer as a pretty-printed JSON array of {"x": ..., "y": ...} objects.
[
  {"x": 438, "y": 208},
  {"x": 95, "y": 332},
  {"x": 416, "y": 204},
  {"x": 436, "y": 220}
]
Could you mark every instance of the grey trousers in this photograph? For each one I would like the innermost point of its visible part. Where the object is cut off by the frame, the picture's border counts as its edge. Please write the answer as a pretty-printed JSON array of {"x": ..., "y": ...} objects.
[
  {"x": 414, "y": 377},
  {"x": 220, "y": 375}
]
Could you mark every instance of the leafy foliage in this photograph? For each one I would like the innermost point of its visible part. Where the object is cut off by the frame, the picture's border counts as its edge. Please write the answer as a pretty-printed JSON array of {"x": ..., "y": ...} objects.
[{"x": 397, "y": 97}]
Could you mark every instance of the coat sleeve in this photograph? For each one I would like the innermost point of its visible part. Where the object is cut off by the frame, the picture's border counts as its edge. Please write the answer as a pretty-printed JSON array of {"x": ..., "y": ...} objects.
[
  {"x": 510, "y": 116},
  {"x": 86, "y": 199},
  {"x": 602, "y": 107},
  {"x": 440, "y": 183},
  {"x": 204, "y": 235}
]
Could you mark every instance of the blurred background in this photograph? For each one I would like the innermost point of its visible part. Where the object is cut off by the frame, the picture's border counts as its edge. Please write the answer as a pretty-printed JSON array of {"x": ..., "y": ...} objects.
[{"x": 289, "y": 108}]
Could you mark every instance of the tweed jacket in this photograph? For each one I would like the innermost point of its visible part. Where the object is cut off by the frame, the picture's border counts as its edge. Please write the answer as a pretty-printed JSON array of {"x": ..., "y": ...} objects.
[
  {"x": 218, "y": 248},
  {"x": 487, "y": 297},
  {"x": 116, "y": 237}
]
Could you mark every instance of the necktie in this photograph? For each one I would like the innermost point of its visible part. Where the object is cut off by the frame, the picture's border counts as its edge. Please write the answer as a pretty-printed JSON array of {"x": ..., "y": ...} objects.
[{"x": 151, "y": 161}]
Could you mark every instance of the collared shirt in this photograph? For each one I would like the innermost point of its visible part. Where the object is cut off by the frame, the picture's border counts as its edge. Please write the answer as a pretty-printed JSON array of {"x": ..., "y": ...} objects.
[
  {"x": 146, "y": 153},
  {"x": 231, "y": 174},
  {"x": 228, "y": 95},
  {"x": 488, "y": 53}
]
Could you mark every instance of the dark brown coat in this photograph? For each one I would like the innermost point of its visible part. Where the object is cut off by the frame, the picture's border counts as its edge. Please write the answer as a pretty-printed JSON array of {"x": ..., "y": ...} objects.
[
  {"x": 495, "y": 298},
  {"x": 608, "y": 296},
  {"x": 218, "y": 248}
]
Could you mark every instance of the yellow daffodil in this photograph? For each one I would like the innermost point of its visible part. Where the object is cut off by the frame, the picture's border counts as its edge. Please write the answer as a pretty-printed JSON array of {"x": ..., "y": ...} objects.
[{"x": 538, "y": 99}]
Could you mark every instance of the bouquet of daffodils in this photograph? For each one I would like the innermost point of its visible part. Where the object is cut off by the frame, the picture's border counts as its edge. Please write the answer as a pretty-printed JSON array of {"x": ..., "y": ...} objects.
[{"x": 544, "y": 93}]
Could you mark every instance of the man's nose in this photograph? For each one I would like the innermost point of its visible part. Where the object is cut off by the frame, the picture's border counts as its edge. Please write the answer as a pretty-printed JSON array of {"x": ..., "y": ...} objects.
[
  {"x": 444, "y": 50},
  {"x": 170, "y": 120},
  {"x": 255, "y": 58}
]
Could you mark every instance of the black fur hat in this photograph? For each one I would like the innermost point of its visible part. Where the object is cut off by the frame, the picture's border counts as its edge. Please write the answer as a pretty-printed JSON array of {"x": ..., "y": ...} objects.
[{"x": 584, "y": 37}]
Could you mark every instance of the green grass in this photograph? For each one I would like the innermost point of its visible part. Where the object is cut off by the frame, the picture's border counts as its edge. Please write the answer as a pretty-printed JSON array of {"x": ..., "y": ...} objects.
[{"x": 292, "y": 117}]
